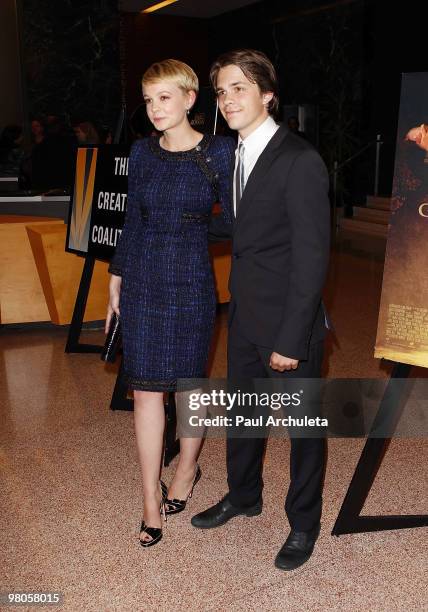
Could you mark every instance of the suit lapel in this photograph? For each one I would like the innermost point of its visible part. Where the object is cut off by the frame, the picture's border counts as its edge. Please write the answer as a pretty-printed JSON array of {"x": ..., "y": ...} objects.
[{"x": 259, "y": 171}]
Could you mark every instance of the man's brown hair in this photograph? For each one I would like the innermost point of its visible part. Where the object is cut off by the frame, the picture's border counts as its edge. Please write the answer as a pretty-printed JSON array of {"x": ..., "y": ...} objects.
[{"x": 256, "y": 66}]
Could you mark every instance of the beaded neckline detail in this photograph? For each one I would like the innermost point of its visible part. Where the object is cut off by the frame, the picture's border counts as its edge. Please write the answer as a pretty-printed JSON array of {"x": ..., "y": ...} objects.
[{"x": 179, "y": 155}]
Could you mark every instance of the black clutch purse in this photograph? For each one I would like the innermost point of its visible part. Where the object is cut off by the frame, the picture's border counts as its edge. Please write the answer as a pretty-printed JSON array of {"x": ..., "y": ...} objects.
[{"x": 113, "y": 340}]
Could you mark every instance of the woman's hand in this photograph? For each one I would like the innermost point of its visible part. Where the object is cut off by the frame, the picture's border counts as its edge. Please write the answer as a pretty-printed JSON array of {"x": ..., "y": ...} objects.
[{"x": 113, "y": 305}]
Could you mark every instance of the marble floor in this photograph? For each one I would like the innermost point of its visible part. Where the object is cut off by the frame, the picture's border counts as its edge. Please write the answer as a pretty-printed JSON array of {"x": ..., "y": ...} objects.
[{"x": 71, "y": 493}]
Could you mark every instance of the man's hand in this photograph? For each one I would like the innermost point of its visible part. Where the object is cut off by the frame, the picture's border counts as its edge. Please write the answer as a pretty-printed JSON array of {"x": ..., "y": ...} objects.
[{"x": 281, "y": 363}]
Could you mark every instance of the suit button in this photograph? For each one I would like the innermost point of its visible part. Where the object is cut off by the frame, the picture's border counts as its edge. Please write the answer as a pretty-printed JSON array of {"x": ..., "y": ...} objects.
[{"x": 236, "y": 256}]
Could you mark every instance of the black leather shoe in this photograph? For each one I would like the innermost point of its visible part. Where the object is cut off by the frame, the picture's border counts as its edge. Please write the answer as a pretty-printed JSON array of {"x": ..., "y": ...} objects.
[
  {"x": 297, "y": 549},
  {"x": 222, "y": 512}
]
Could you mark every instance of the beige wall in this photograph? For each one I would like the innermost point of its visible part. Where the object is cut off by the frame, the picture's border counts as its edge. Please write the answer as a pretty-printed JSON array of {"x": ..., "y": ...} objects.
[{"x": 10, "y": 76}]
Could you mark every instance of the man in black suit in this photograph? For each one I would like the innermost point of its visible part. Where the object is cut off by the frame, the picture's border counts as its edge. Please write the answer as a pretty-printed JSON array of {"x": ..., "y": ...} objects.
[{"x": 279, "y": 264}]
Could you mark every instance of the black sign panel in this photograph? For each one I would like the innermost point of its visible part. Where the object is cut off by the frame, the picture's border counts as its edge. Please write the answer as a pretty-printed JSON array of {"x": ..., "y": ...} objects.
[{"x": 98, "y": 207}]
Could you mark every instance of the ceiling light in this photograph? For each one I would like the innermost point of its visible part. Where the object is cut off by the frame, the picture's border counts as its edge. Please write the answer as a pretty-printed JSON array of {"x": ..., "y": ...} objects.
[{"x": 158, "y": 6}]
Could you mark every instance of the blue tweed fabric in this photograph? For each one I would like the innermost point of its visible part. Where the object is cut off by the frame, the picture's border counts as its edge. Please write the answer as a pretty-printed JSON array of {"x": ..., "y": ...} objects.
[{"x": 167, "y": 299}]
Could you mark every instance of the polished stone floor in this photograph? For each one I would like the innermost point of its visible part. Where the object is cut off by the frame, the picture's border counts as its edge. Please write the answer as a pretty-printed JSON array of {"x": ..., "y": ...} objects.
[{"x": 71, "y": 492}]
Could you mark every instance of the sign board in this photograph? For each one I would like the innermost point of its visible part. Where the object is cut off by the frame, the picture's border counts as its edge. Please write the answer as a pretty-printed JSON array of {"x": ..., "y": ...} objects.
[
  {"x": 402, "y": 334},
  {"x": 98, "y": 205}
]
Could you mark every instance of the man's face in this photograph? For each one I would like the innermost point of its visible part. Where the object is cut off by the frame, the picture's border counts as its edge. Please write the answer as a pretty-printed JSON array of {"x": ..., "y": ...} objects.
[
  {"x": 240, "y": 101},
  {"x": 419, "y": 135}
]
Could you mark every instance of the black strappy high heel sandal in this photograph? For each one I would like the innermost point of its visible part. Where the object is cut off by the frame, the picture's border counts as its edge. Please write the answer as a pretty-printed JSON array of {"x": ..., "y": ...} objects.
[
  {"x": 174, "y": 506},
  {"x": 155, "y": 532}
]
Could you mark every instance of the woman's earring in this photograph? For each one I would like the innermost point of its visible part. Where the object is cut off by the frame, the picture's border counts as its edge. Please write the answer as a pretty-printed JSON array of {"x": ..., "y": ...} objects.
[{"x": 188, "y": 111}]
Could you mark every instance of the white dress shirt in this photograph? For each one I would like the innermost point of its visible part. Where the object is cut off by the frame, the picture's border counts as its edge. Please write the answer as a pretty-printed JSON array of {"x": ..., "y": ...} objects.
[{"x": 254, "y": 145}]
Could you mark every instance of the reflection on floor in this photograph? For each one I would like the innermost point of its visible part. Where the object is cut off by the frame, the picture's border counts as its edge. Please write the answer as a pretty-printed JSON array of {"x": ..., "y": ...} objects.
[{"x": 71, "y": 496}]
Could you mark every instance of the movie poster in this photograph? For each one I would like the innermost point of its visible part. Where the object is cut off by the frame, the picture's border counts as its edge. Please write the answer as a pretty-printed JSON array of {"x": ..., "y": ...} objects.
[{"x": 402, "y": 333}]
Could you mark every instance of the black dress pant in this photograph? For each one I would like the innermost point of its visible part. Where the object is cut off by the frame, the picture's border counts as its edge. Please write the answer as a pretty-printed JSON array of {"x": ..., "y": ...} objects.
[{"x": 245, "y": 455}]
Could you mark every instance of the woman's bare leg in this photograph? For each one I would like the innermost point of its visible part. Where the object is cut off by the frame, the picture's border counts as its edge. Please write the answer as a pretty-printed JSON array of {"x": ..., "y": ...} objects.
[
  {"x": 186, "y": 468},
  {"x": 181, "y": 484},
  {"x": 149, "y": 419}
]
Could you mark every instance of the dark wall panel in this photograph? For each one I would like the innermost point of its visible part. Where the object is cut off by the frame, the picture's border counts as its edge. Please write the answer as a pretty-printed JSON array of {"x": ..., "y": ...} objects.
[
  {"x": 151, "y": 38},
  {"x": 10, "y": 76}
]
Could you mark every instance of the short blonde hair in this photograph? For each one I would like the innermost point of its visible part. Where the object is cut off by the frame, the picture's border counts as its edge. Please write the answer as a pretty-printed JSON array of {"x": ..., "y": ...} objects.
[{"x": 172, "y": 70}]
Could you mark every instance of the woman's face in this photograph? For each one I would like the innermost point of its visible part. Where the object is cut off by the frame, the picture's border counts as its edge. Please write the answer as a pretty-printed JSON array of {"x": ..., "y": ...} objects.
[{"x": 167, "y": 104}]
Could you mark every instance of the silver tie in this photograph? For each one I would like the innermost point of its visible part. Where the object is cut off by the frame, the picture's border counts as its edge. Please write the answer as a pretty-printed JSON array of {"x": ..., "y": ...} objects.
[{"x": 239, "y": 176}]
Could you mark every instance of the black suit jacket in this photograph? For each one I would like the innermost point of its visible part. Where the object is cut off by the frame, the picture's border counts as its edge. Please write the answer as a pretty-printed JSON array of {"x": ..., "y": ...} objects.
[{"x": 281, "y": 243}]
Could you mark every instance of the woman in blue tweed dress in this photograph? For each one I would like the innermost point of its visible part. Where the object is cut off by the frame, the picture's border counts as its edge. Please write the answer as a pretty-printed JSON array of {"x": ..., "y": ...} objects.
[{"x": 162, "y": 283}]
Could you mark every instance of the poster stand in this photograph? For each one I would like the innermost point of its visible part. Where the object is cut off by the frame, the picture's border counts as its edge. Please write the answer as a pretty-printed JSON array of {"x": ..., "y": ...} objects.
[
  {"x": 73, "y": 344},
  {"x": 388, "y": 415}
]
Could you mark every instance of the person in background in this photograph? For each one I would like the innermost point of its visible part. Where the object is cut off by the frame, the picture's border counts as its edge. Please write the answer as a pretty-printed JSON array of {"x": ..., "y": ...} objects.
[
  {"x": 293, "y": 124},
  {"x": 162, "y": 284},
  {"x": 86, "y": 133},
  {"x": 37, "y": 130}
]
